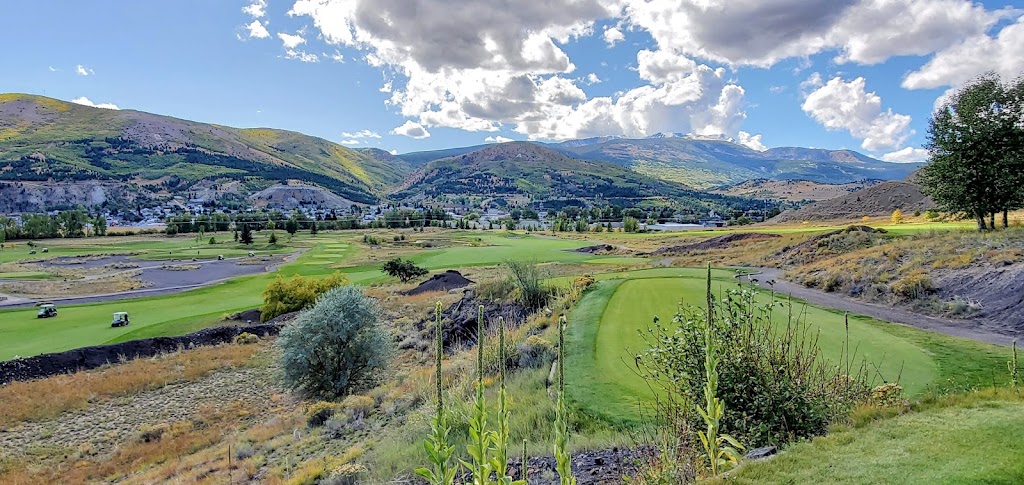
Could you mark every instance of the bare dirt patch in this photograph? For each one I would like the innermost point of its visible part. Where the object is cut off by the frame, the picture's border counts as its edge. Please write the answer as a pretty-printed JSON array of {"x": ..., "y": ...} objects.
[{"x": 717, "y": 242}]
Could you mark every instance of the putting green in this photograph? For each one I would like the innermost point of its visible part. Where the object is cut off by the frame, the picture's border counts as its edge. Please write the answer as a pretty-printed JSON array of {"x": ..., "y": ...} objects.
[{"x": 604, "y": 338}]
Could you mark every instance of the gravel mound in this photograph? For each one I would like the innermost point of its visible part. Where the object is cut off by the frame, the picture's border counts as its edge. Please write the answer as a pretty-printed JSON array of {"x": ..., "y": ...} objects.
[
  {"x": 596, "y": 249},
  {"x": 449, "y": 280}
]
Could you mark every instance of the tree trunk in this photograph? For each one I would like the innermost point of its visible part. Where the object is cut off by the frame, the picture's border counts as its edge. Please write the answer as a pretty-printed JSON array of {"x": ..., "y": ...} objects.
[
  {"x": 1006, "y": 218},
  {"x": 992, "y": 221},
  {"x": 981, "y": 221}
]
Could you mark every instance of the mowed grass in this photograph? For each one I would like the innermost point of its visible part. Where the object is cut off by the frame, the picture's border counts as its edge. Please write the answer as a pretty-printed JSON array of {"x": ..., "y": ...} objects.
[
  {"x": 604, "y": 339},
  {"x": 977, "y": 441},
  {"x": 25, "y": 275},
  {"x": 22, "y": 334},
  {"x": 153, "y": 247}
]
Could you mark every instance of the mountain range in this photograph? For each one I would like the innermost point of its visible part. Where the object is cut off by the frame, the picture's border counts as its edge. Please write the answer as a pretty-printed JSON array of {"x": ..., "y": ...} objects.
[{"x": 134, "y": 158}]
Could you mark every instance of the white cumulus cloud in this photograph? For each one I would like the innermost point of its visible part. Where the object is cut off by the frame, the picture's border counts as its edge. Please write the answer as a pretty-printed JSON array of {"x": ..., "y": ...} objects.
[
  {"x": 612, "y": 36},
  {"x": 907, "y": 155},
  {"x": 82, "y": 100},
  {"x": 291, "y": 41},
  {"x": 349, "y": 142},
  {"x": 1003, "y": 53},
  {"x": 256, "y": 30},
  {"x": 411, "y": 129},
  {"x": 83, "y": 71},
  {"x": 497, "y": 139},
  {"x": 360, "y": 134},
  {"x": 256, "y": 9},
  {"x": 842, "y": 105}
]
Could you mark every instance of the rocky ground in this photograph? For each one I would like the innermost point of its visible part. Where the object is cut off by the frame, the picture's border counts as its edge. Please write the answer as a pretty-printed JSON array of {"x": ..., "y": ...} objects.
[{"x": 105, "y": 425}]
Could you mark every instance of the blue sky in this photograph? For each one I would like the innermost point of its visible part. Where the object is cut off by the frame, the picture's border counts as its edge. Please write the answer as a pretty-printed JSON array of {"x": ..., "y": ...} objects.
[{"x": 858, "y": 74}]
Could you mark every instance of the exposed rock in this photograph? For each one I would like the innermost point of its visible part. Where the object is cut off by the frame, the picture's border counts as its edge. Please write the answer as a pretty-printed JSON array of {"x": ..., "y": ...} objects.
[
  {"x": 760, "y": 453},
  {"x": 460, "y": 319}
]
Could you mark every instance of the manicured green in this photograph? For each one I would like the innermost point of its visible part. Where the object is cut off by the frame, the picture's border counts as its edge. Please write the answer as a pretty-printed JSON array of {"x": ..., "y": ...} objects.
[
  {"x": 977, "y": 443},
  {"x": 604, "y": 339}
]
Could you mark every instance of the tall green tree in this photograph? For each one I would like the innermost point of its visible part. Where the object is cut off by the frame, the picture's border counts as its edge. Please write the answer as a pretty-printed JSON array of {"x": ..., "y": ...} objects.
[
  {"x": 99, "y": 225},
  {"x": 975, "y": 143},
  {"x": 246, "y": 236}
]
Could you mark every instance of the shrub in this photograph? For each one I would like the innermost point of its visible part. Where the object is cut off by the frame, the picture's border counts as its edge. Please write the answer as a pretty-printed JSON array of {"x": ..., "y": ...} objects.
[
  {"x": 296, "y": 293},
  {"x": 403, "y": 269},
  {"x": 630, "y": 224},
  {"x": 914, "y": 286},
  {"x": 347, "y": 474},
  {"x": 244, "y": 451},
  {"x": 151, "y": 433},
  {"x": 536, "y": 352},
  {"x": 272, "y": 240},
  {"x": 528, "y": 278},
  {"x": 336, "y": 347},
  {"x": 775, "y": 386},
  {"x": 320, "y": 412},
  {"x": 246, "y": 338},
  {"x": 358, "y": 406}
]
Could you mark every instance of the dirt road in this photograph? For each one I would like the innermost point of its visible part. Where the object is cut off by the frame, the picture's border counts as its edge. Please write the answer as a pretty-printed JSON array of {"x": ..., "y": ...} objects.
[{"x": 974, "y": 329}]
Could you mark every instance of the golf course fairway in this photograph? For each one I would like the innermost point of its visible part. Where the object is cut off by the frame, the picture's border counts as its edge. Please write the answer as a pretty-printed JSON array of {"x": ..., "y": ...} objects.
[{"x": 604, "y": 338}]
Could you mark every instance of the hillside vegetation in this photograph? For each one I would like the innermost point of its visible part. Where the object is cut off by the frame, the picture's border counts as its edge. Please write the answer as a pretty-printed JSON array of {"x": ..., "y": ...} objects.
[
  {"x": 522, "y": 168},
  {"x": 44, "y": 139},
  {"x": 709, "y": 163}
]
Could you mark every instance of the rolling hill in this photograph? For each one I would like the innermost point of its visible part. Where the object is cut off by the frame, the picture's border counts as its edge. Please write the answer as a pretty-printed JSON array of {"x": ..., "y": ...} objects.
[
  {"x": 541, "y": 173},
  {"x": 708, "y": 163},
  {"x": 792, "y": 190},
  {"x": 877, "y": 200},
  {"x": 48, "y": 140}
]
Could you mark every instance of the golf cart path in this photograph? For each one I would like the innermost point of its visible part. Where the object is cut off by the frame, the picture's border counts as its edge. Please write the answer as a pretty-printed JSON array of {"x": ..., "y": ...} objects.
[
  {"x": 957, "y": 328},
  {"x": 18, "y": 302}
]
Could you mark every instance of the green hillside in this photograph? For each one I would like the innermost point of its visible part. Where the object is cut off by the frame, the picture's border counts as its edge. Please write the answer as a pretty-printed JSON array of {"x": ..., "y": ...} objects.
[
  {"x": 707, "y": 163},
  {"x": 533, "y": 170},
  {"x": 44, "y": 139}
]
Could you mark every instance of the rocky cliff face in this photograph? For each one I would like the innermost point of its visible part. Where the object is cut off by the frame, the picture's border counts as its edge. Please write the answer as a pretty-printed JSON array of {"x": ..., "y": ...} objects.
[{"x": 43, "y": 196}]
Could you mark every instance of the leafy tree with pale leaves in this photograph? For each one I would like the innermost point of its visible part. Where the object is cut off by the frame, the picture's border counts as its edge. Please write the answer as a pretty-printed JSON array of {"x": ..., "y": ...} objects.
[{"x": 335, "y": 348}]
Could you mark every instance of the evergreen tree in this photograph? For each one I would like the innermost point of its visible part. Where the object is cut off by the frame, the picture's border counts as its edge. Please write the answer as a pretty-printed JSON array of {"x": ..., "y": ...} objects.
[{"x": 246, "y": 237}]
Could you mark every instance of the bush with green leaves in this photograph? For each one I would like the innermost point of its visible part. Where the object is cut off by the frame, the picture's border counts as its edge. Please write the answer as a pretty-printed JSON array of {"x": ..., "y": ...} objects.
[
  {"x": 774, "y": 384},
  {"x": 528, "y": 278},
  {"x": 336, "y": 347},
  {"x": 403, "y": 269},
  {"x": 287, "y": 295}
]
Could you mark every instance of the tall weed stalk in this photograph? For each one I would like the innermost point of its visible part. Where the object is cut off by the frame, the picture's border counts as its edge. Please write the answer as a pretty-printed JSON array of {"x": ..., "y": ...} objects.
[
  {"x": 563, "y": 459},
  {"x": 720, "y": 449},
  {"x": 481, "y": 441},
  {"x": 439, "y": 452}
]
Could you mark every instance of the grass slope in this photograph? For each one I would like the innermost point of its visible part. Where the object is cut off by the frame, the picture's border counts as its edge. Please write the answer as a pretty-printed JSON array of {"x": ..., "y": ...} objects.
[{"x": 978, "y": 442}]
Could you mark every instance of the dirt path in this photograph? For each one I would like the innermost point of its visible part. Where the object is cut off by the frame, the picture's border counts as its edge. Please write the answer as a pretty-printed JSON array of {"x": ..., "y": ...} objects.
[{"x": 970, "y": 329}]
